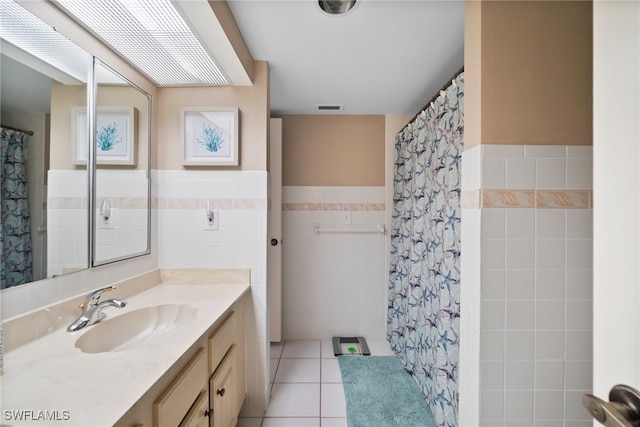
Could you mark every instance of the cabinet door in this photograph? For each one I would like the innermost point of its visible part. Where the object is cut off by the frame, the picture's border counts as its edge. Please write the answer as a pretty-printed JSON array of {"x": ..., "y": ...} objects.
[
  {"x": 222, "y": 340},
  {"x": 178, "y": 398},
  {"x": 239, "y": 383},
  {"x": 223, "y": 392},
  {"x": 197, "y": 416}
]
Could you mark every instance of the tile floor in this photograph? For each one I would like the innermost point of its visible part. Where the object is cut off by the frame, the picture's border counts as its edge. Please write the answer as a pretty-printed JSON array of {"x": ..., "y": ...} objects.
[{"x": 306, "y": 386}]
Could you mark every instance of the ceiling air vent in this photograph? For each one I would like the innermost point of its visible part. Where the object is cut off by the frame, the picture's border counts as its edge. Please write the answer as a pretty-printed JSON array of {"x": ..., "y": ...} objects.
[{"x": 329, "y": 107}]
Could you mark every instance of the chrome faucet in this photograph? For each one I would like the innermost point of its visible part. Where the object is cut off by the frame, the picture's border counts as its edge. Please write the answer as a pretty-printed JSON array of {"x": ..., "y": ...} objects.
[{"x": 92, "y": 309}]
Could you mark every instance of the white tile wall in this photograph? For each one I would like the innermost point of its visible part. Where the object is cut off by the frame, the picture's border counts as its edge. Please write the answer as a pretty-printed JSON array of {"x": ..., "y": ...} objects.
[
  {"x": 534, "y": 291},
  {"x": 528, "y": 167},
  {"x": 471, "y": 169},
  {"x": 126, "y": 191},
  {"x": 240, "y": 241},
  {"x": 470, "y": 344},
  {"x": 67, "y": 217},
  {"x": 521, "y": 173},
  {"x": 333, "y": 284},
  {"x": 67, "y": 222}
]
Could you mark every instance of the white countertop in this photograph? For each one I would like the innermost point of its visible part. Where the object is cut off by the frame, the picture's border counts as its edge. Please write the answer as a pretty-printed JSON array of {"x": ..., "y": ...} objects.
[{"x": 81, "y": 389}]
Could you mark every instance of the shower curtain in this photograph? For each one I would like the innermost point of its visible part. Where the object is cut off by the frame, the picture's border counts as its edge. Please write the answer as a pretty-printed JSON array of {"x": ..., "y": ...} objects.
[
  {"x": 423, "y": 315},
  {"x": 15, "y": 230}
]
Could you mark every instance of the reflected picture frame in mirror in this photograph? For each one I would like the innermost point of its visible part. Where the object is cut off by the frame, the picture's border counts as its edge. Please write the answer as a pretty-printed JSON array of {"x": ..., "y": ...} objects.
[{"x": 116, "y": 133}]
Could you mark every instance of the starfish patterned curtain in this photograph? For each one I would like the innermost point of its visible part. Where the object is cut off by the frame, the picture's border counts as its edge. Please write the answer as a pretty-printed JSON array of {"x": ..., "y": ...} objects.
[
  {"x": 15, "y": 230},
  {"x": 423, "y": 318}
]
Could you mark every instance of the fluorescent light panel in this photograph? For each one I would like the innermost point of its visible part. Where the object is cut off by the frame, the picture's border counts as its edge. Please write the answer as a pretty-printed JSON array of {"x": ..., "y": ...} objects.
[
  {"x": 28, "y": 33},
  {"x": 152, "y": 36}
]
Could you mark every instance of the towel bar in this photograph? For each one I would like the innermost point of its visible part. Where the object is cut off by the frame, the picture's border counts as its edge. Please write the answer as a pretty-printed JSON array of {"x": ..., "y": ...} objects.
[{"x": 380, "y": 230}]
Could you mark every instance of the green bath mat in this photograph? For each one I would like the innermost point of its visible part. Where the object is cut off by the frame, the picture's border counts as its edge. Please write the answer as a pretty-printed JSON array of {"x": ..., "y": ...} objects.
[{"x": 380, "y": 393}]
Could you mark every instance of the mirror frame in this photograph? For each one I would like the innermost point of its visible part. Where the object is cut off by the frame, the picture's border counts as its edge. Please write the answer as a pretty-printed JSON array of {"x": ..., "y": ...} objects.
[{"x": 92, "y": 164}]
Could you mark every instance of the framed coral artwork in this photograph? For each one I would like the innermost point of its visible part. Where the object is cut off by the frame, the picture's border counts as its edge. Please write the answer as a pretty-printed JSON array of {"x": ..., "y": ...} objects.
[
  {"x": 209, "y": 136},
  {"x": 115, "y": 135}
]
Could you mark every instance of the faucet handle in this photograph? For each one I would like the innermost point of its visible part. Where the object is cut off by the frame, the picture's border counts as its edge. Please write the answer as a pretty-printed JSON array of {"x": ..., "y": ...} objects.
[{"x": 94, "y": 296}]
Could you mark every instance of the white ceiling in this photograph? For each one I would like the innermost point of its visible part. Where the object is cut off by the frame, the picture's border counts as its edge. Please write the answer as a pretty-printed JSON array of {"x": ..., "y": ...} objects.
[{"x": 383, "y": 57}]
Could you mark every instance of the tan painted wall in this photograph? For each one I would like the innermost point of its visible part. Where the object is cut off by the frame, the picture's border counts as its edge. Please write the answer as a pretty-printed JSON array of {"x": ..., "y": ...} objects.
[
  {"x": 333, "y": 150},
  {"x": 534, "y": 64},
  {"x": 252, "y": 102},
  {"x": 63, "y": 98}
]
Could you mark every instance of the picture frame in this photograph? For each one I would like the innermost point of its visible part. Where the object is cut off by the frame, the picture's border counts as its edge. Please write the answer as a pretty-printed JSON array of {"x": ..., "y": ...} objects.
[
  {"x": 115, "y": 136},
  {"x": 209, "y": 136}
]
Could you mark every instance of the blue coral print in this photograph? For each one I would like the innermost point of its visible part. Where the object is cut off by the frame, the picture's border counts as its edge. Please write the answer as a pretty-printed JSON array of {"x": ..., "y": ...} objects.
[
  {"x": 210, "y": 138},
  {"x": 108, "y": 137},
  {"x": 423, "y": 317}
]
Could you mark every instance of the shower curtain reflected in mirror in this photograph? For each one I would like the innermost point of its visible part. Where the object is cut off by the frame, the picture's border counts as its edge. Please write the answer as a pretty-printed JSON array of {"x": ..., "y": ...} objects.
[
  {"x": 15, "y": 231},
  {"x": 423, "y": 318}
]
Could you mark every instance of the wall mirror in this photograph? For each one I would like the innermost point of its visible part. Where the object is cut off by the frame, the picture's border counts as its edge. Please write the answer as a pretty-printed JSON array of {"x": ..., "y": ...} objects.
[
  {"x": 121, "y": 226},
  {"x": 45, "y": 197},
  {"x": 55, "y": 183}
]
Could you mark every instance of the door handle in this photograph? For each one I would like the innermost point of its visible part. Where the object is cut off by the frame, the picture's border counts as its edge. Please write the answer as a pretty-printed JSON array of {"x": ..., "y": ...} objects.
[{"x": 622, "y": 409}]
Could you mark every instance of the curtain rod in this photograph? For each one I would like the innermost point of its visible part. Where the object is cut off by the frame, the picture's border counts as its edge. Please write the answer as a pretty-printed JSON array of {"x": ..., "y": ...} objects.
[
  {"x": 444, "y": 87},
  {"x": 28, "y": 132}
]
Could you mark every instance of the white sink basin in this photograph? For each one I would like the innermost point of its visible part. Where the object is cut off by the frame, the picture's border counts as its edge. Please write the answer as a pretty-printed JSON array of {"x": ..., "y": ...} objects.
[{"x": 136, "y": 329}]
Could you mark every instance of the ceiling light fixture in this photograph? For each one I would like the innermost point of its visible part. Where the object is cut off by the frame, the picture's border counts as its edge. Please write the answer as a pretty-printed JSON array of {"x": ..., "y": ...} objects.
[
  {"x": 62, "y": 57},
  {"x": 337, "y": 7},
  {"x": 152, "y": 36}
]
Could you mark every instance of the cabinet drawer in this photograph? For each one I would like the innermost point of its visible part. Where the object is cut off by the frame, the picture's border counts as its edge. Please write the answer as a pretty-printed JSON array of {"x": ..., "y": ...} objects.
[
  {"x": 177, "y": 399},
  {"x": 222, "y": 340}
]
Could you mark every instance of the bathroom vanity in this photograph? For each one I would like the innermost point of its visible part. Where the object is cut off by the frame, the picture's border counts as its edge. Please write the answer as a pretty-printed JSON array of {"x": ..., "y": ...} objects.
[
  {"x": 174, "y": 356},
  {"x": 210, "y": 389}
]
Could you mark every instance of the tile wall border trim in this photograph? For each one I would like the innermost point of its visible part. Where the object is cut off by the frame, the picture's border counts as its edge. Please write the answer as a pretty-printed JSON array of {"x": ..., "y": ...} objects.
[
  {"x": 192, "y": 203},
  {"x": 81, "y": 202},
  {"x": 66, "y": 202},
  {"x": 536, "y": 199},
  {"x": 195, "y": 203}
]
